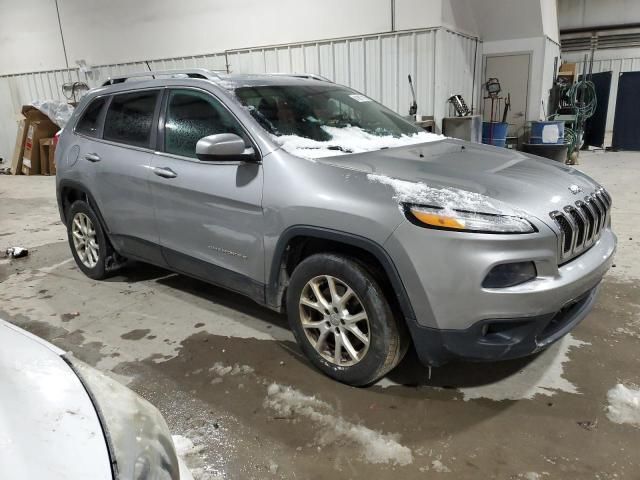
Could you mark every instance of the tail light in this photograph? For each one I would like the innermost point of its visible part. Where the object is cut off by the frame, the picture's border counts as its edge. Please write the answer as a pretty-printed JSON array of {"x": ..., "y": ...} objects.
[{"x": 56, "y": 137}]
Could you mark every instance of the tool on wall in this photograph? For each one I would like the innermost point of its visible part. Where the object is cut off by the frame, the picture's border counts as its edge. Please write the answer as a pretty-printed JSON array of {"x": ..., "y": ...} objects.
[
  {"x": 413, "y": 108},
  {"x": 459, "y": 105},
  {"x": 507, "y": 107}
]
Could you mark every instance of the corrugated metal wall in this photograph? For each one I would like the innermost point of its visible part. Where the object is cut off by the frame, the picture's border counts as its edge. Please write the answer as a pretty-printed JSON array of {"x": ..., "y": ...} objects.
[
  {"x": 376, "y": 65},
  {"x": 617, "y": 66},
  {"x": 455, "y": 71},
  {"x": 440, "y": 61}
]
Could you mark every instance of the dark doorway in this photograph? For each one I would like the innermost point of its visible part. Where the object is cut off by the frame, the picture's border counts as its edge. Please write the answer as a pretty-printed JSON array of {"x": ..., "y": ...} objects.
[
  {"x": 595, "y": 126},
  {"x": 626, "y": 125}
]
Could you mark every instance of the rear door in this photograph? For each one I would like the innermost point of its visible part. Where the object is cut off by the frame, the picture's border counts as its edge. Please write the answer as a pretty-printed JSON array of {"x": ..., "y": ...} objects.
[
  {"x": 209, "y": 214},
  {"x": 120, "y": 159}
]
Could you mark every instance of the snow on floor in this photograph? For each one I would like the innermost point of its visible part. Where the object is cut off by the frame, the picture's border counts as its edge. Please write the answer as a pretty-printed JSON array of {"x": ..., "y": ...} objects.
[
  {"x": 183, "y": 445},
  {"x": 447, "y": 197},
  {"x": 348, "y": 140},
  {"x": 376, "y": 447},
  {"x": 543, "y": 376},
  {"x": 624, "y": 405},
  {"x": 221, "y": 369},
  {"x": 187, "y": 453}
]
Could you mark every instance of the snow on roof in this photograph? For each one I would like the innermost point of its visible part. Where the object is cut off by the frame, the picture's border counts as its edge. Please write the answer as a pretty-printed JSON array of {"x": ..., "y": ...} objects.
[{"x": 348, "y": 140}]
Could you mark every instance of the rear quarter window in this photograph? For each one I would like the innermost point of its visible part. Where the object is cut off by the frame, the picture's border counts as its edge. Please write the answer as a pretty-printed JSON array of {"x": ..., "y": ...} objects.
[
  {"x": 130, "y": 117},
  {"x": 89, "y": 122}
]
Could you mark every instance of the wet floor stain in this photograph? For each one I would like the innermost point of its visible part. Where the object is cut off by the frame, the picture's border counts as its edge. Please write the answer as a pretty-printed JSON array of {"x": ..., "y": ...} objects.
[
  {"x": 135, "y": 334},
  {"x": 213, "y": 388}
]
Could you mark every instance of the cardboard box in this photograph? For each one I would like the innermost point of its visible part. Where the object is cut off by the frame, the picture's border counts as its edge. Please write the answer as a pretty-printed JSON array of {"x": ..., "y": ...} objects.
[
  {"x": 47, "y": 151},
  {"x": 567, "y": 69},
  {"x": 30, "y": 147},
  {"x": 18, "y": 151},
  {"x": 38, "y": 129}
]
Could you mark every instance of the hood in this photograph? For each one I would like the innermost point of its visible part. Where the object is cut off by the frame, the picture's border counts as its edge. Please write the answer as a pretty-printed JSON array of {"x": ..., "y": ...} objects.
[
  {"x": 48, "y": 425},
  {"x": 523, "y": 182}
]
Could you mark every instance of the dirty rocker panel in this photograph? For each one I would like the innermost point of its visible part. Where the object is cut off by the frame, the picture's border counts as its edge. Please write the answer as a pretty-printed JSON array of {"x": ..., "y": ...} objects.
[{"x": 149, "y": 252}]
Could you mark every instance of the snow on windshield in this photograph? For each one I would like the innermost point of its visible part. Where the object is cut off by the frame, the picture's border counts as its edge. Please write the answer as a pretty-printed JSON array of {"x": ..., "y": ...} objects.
[
  {"x": 449, "y": 198},
  {"x": 348, "y": 140}
]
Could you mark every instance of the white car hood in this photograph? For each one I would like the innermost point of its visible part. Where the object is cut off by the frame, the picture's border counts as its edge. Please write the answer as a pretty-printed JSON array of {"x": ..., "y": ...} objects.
[{"x": 48, "y": 426}]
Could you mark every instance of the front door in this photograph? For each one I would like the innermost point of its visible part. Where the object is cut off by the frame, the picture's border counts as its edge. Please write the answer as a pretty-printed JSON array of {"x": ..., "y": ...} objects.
[
  {"x": 208, "y": 214},
  {"x": 513, "y": 73}
]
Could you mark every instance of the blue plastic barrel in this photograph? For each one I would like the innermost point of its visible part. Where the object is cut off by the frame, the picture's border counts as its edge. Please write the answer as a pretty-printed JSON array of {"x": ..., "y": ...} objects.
[
  {"x": 494, "y": 133},
  {"x": 551, "y": 132}
]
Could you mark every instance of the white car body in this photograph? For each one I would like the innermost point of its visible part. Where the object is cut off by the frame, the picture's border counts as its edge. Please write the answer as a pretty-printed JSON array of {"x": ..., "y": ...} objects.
[{"x": 63, "y": 420}]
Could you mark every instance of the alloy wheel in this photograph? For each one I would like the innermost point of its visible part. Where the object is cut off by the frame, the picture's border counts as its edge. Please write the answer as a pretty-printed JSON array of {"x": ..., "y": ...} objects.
[
  {"x": 334, "y": 320},
  {"x": 84, "y": 240}
]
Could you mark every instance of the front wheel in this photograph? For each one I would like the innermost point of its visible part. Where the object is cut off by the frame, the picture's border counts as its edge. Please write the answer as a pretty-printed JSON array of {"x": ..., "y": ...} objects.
[{"x": 343, "y": 321}]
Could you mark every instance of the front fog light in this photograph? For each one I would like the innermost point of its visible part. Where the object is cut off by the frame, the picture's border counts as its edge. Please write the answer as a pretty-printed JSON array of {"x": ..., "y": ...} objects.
[{"x": 510, "y": 274}]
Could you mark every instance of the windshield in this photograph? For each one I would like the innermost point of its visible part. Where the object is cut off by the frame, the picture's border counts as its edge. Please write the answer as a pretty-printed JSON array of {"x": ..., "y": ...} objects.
[{"x": 321, "y": 120}]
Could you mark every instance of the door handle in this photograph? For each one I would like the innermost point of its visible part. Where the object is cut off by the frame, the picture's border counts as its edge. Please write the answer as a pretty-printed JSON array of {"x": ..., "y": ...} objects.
[
  {"x": 165, "y": 172},
  {"x": 92, "y": 157}
]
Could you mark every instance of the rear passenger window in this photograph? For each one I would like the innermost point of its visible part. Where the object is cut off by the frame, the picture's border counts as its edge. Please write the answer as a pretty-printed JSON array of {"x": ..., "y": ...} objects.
[
  {"x": 130, "y": 117},
  {"x": 88, "y": 124},
  {"x": 192, "y": 115}
]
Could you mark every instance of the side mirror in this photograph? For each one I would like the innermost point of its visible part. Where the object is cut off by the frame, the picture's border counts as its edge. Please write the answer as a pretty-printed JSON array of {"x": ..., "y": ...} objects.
[{"x": 224, "y": 147}]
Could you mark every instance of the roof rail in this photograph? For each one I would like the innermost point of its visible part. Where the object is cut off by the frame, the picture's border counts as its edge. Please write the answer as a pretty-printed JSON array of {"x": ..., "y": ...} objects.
[
  {"x": 312, "y": 76},
  {"x": 190, "y": 73}
]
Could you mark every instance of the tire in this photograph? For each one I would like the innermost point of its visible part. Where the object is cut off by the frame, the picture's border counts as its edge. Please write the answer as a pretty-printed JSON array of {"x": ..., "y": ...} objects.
[
  {"x": 319, "y": 326},
  {"x": 82, "y": 221}
]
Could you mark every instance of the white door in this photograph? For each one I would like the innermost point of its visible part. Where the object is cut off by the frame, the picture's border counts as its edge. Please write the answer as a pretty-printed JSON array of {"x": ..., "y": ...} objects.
[{"x": 513, "y": 73}]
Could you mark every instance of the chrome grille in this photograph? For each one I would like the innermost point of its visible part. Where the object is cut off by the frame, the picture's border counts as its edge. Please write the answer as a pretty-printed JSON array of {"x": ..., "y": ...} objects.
[{"x": 581, "y": 224}]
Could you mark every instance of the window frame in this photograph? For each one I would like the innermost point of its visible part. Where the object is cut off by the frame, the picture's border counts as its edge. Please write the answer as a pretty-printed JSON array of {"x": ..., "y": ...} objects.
[
  {"x": 99, "y": 120},
  {"x": 160, "y": 138},
  {"x": 154, "y": 119}
]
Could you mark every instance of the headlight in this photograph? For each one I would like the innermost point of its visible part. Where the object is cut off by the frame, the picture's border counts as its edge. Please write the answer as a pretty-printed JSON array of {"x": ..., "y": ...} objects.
[
  {"x": 449, "y": 219},
  {"x": 137, "y": 436}
]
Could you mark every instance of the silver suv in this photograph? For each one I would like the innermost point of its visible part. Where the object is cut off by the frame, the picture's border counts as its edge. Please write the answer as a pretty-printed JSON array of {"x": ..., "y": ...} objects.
[{"x": 311, "y": 198}]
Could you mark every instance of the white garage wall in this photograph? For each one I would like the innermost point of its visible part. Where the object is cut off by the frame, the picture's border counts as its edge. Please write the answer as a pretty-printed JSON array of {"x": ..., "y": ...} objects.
[
  {"x": 597, "y": 13},
  {"x": 116, "y": 31},
  {"x": 616, "y": 61},
  {"x": 440, "y": 61},
  {"x": 435, "y": 40}
]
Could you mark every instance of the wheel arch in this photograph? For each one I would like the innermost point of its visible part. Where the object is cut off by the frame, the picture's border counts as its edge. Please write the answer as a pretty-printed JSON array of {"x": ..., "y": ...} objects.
[
  {"x": 293, "y": 241},
  {"x": 70, "y": 191}
]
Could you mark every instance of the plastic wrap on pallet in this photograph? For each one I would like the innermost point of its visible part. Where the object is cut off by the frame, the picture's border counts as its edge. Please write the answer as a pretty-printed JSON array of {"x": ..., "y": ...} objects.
[{"x": 57, "y": 111}]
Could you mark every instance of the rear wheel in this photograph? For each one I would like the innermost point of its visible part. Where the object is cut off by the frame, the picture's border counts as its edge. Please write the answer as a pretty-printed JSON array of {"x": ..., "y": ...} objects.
[
  {"x": 87, "y": 240},
  {"x": 342, "y": 320}
]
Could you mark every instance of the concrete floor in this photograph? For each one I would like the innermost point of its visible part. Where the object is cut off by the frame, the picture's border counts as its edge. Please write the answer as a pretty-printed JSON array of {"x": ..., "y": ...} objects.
[{"x": 175, "y": 341}]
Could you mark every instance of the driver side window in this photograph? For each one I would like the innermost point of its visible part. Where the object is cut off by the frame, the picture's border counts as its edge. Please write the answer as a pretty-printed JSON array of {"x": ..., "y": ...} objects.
[{"x": 191, "y": 115}]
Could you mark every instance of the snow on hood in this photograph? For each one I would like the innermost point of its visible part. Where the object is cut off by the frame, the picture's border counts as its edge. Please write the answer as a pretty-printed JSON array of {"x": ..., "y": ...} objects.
[
  {"x": 449, "y": 198},
  {"x": 348, "y": 140}
]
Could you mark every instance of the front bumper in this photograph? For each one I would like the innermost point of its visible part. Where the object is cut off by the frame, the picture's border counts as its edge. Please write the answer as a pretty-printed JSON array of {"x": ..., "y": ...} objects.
[
  {"x": 455, "y": 317},
  {"x": 503, "y": 339}
]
